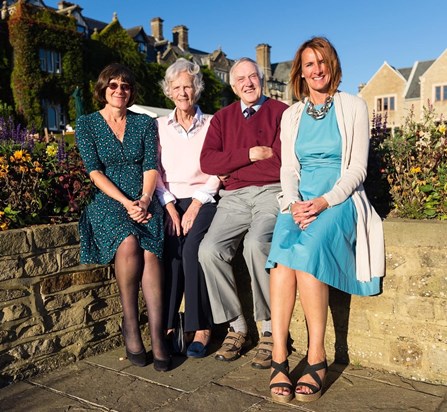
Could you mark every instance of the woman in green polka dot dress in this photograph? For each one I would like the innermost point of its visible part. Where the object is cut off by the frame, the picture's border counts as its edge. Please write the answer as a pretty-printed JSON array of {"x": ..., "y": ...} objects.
[{"x": 124, "y": 221}]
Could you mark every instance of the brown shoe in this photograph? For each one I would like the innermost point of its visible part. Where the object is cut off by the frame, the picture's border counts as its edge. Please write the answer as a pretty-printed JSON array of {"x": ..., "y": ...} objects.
[
  {"x": 263, "y": 357},
  {"x": 232, "y": 346}
]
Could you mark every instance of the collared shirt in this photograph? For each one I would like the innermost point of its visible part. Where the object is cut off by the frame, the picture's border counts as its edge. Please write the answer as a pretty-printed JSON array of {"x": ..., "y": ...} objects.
[
  {"x": 257, "y": 106},
  {"x": 197, "y": 122}
]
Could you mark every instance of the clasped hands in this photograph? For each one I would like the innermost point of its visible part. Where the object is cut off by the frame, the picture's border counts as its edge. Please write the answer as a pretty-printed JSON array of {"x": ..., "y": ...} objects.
[
  {"x": 138, "y": 210},
  {"x": 305, "y": 212}
]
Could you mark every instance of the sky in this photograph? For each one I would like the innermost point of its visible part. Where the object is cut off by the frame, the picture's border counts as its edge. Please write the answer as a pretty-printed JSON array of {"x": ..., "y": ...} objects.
[{"x": 365, "y": 33}]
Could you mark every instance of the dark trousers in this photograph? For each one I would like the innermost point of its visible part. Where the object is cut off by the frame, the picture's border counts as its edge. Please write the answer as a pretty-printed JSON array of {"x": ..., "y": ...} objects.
[{"x": 184, "y": 274}]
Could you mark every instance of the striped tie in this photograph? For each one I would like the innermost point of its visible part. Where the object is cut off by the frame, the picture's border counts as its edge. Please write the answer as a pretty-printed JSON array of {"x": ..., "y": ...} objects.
[{"x": 249, "y": 111}]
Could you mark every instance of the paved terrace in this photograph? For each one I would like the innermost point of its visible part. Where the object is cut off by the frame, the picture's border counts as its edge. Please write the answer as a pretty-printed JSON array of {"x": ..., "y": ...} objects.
[{"x": 108, "y": 382}]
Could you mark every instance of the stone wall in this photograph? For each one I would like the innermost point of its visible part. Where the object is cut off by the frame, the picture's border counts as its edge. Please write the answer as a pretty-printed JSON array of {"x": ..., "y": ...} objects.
[
  {"x": 404, "y": 329},
  {"x": 54, "y": 311}
]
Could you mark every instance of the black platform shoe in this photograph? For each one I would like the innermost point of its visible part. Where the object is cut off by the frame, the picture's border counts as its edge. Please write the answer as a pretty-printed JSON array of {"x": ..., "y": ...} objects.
[{"x": 137, "y": 359}]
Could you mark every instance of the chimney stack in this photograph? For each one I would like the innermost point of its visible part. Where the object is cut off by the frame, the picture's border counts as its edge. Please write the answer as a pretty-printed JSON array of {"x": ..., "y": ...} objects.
[
  {"x": 180, "y": 37},
  {"x": 157, "y": 28},
  {"x": 263, "y": 59}
]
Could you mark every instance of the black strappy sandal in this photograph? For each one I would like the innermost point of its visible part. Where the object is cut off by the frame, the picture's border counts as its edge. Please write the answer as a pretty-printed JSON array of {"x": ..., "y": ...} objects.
[
  {"x": 316, "y": 390},
  {"x": 283, "y": 368}
]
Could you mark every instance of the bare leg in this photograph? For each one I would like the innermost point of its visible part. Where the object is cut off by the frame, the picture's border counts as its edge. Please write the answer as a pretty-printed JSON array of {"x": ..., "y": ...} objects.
[
  {"x": 152, "y": 285},
  {"x": 282, "y": 301},
  {"x": 128, "y": 269},
  {"x": 314, "y": 297},
  {"x": 203, "y": 336}
]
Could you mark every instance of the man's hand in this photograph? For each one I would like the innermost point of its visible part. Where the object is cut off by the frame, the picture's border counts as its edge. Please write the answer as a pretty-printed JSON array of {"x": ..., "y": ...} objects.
[{"x": 260, "y": 153}]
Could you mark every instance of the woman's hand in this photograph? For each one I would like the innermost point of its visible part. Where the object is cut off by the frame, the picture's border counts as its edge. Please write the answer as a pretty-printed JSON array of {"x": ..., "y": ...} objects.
[
  {"x": 137, "y": 210},
  {"x": 305, "y": 212},
  {"x": 172, "y": 222},
  {"x": 190, "y": 215}
]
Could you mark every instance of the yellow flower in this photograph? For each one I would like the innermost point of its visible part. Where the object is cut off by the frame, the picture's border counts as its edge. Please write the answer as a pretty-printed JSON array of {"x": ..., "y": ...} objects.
[
  {"x": 442, "y": 128},
  {"x": 415, "y": 169},
  {"x": 4, "y": 226},
  {"x": 52, "y": 150},
  {"x": 23, "y": 169},
  {"x": 20, "y": 156},
  {"x": 37, "y": 167},
  {"x": 4, "y": 169}
]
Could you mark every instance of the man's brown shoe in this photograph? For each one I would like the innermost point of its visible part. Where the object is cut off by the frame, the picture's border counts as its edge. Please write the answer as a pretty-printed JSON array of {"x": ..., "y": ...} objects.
[
  {"x": 263, "y": 357},
  {"x": 232, "y": 346}
]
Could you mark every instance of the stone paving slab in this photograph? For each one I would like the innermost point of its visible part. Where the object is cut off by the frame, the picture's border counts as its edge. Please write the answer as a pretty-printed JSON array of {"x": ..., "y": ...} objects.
[
  {"x": 186, "y": 374},
  {"x": 24, "y": 396},
  {"x": 113, "y": 390}
]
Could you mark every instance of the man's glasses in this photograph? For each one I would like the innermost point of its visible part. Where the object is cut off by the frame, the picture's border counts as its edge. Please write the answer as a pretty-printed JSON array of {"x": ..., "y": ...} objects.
[{"x": 123, "y": 86}]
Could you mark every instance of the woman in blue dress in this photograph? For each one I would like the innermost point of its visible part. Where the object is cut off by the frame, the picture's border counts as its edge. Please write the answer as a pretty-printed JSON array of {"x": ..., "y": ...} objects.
[
  {"x": 124, "y": 221},
  {"x": 327, "y": 232}
]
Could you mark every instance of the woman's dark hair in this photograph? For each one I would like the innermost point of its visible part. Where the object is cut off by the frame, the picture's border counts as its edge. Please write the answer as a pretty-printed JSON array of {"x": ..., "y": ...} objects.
[
  {"x": 330, "y": 56},
  {"x": 115, "y": 71}
]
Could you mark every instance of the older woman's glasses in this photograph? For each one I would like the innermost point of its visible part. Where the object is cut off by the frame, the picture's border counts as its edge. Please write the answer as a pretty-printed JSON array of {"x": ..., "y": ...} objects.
[{"x": 125, "y": 87}]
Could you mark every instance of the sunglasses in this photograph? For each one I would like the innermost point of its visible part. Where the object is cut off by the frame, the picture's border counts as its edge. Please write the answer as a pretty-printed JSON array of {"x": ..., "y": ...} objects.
[{"x": 123, "y": 86}]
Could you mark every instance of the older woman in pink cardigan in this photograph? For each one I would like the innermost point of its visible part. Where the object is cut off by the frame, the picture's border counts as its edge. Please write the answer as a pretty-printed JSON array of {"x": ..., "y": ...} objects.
[{"x": 188, "y": 196}]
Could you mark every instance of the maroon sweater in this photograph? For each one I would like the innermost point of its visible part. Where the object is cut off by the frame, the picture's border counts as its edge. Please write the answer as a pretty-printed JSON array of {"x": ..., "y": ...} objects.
[{"x": 230, "y": 137}]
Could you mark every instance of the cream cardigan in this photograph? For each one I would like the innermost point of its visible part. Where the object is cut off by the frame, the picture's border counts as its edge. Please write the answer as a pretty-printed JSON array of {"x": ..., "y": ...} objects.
[{"x": 353, "y": 123}]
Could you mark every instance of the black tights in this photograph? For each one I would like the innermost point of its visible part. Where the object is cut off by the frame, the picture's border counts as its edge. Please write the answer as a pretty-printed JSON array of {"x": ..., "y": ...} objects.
[{"x": 133, "y": 266}]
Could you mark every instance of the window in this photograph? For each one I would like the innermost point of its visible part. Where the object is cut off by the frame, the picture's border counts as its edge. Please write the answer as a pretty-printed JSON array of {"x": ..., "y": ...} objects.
[
  {"x": 50, "y": 61},
  {"x": 385, "y": 104},
  {"x": 142, "y": 47},
  {"x": 440, "y": 93},
  {"x": 81, "y": 29},
  {"x": 54, "y": 117}
]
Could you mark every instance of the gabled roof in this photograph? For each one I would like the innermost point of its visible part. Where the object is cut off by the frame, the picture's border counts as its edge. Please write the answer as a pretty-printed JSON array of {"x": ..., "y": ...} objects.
[
  {"x": 135, "y": 31},
  {"x": 93, "y": 24},
  {"x": 413, "y": 90},
  {"x": 281, "y": 71}
]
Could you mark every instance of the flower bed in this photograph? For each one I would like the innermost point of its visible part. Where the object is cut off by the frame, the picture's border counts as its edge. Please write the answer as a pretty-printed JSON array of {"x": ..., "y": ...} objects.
[
  {"x": 407, "y": 174},
  {"x": 42, "y": 181}
]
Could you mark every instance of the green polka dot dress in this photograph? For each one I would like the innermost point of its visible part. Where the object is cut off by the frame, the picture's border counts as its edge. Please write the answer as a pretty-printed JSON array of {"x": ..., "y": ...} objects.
[{"x": 104, "y": 223}]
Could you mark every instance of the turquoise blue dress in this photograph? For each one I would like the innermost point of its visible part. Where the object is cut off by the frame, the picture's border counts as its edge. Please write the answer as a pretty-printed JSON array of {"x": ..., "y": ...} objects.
[
  {"x": 104, "y": 223},
  {"x": 326, "y": 248}
]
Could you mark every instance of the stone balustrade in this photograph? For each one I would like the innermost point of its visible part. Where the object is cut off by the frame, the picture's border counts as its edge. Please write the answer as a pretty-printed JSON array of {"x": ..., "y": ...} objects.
[{"x": 54, "y": 311}]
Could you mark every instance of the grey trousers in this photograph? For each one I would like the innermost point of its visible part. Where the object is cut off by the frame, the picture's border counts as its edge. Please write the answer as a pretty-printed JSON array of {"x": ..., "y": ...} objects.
[{"x": 249, "y": 212}]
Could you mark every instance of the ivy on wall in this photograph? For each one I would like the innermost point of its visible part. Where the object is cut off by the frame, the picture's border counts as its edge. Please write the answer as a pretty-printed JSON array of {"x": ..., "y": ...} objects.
[
  {"x": 31, "y": 29},
  {"x": 5, "y": 66}
]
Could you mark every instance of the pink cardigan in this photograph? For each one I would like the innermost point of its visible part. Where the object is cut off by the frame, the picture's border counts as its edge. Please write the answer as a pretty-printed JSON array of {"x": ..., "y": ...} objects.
[{"x": 179, "y": 164}]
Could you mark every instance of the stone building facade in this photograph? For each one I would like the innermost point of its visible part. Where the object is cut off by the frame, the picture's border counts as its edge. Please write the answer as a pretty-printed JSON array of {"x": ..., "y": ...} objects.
[{"x": 394, "y": 92}]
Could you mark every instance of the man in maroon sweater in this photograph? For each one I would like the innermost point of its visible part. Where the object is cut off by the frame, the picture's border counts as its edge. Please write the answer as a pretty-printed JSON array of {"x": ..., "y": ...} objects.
[{"x": 242, "y": 147}]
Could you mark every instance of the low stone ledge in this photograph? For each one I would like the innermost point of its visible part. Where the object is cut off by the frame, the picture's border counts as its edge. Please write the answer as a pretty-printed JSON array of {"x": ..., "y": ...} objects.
[{"x": 54, "y": 311}]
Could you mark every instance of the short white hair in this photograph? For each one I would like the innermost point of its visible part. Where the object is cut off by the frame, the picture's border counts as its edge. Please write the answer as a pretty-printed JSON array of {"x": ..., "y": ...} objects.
[
  {"x": 179, "y": 66},
  {"x": 259, "y": 71}
]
